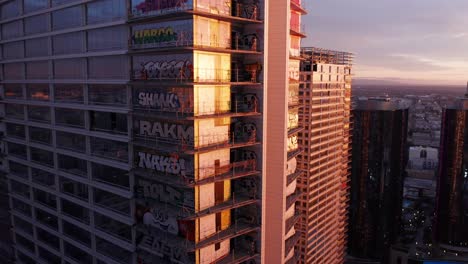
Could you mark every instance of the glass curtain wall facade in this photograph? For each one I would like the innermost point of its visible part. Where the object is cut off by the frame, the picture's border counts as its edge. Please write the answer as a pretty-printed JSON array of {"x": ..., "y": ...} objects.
[
  {"x": 134, "y": 129},
  {"x": 450, "y": 229},
  {"x": 325, "y": 92},
  {"x": 379, "y": 159},
  {"x": 67, "y": 126}
]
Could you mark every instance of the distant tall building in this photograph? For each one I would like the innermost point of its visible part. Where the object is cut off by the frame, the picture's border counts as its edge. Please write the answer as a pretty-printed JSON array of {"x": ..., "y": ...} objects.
[
  {"x": 325, "y": 117},
  {"x": 378, "y": 165},
  {"x": 151, "y": 131},
  {"x": 451, "y": 219}
]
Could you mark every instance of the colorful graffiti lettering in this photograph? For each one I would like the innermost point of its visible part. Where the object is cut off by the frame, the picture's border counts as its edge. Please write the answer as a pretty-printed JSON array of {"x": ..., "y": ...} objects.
[
  {"x": 175, "y": 69},
  {"x": 157, "y": 35}
]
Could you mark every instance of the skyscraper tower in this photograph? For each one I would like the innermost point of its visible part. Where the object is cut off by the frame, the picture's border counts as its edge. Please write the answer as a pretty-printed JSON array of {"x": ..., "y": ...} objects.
[
  {"x": 151, "y": 131},
  {"x": 325, "y": 93},
  {"x": 451, "y": 216},
  {"x": 378, "y": 163}
]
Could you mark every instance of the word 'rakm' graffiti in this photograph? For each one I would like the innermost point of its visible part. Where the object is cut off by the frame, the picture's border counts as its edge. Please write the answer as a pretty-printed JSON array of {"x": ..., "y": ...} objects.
[
  {"x": 162, "y": 163},
  {"x": 157, "y": 35},
  {"x": 164, "y": 130},
  {"x": 175, "y": 69},
  {"x": 159, "y": 100}
]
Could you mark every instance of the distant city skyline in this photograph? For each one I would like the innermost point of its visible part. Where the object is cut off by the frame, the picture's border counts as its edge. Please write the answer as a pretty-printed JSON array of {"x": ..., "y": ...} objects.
[{"x": 417, "y": 41}]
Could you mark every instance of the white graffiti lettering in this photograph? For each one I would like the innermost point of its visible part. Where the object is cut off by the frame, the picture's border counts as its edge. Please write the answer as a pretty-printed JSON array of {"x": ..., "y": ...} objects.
[
  {"x": 159, "y": 100},
  {"x": 165, "y": 130},
  {"x": 162, "y": 163},
  {"x": 162, "y": 220},
  {"x": 162, "y": 249},
  {"x": 182, "y": 69}
]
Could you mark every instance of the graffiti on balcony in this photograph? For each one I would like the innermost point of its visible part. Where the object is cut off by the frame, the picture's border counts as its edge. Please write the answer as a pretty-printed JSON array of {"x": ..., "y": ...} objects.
[
  {"x": 164, "y": 193},
  {"x": 163, "y": 34},
  {"x": 159, "y": 100},
  {"x": 173, "y": 69},
  {"x": 164, "y": 130},
  {"x": 146, "y": 6},
  {"x": 165, "y": 164},
  {"x": 244, "y": 131},
  {"x": 292, "y": 143}
]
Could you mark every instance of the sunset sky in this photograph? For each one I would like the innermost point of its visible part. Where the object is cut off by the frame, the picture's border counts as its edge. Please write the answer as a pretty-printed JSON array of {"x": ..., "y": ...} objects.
[{"x": 412, "y": 41}]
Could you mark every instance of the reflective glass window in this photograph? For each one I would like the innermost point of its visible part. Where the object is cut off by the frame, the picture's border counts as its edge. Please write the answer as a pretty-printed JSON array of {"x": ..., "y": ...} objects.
[
  {"x": 69, "y": 117},
  {"x": 105, "y": 11},
  {"x": 71, "y": 141},
  {"x": 43, "y": 157},
  {"x": 24, "y": 242},
  {"x": 48, "y": 238},
  {"x": 113, "y": 227},
  {"x": 10, "y": 9},
  {"x": 12, "y": 30},
  {"x": 72, "y": 165},
  {"x": 46, "y": 219},
  {"x": 40, "y": 135},
  {"x": 13, "y": 91},
  {"x": 38, "y": 92},
  {"x": 77, "y": 254},
  {"x": 109, "y": 149},
  {"x": 18, "y": 169},
  {"x": 110, "y": 175},
  {"x": 67, "y": 18},
  {"x": 37, "y": 47},
  {"x": 108, "y": 94},
  {"x": 39, "y": 113},
  {"x": 108, "y": 38},
  {"x": 108, "y": 122},
  {"x": 13, "y": 71},
  {"x": 34, "y": 5},
  {"x": 23, "y": 225},
  {"x": 14, "y": 130},
  {"x": 49, "y": 257},
  {"x": 17, "y": 150},
  {"x": 45, "y": 198},
  {"x": 37, "y": 70},
  {"x": 68, "y": 93},
  {"x": 74, "y": 188},
  {"x": 69, "y": 43},
  {"x": 76, "y": 233},
  {"x": 76, "y": 211},
  {"x": 36, "y": 24},
  {"x": 13, "y": 50},
  {"x": 112, "y": 201},
  {"x": 113, "y": 251},
  {"x": 14, "y": 111},
  {"x": 19, "y": 188},
  {"x": 69, "y": 68},
  {"x": 43, "y": 177},
  {"x": 108, "y": 67},
  {"x": 21, "y": 207}
]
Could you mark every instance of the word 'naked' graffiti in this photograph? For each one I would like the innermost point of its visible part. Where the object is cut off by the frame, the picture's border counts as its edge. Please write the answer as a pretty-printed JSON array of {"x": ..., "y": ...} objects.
[
  {"x": 175, "y": 69},
  {"x": 159, "y": 100},
  {"x": 162, "y": 163},
  {"x": 164, "y": 130}
]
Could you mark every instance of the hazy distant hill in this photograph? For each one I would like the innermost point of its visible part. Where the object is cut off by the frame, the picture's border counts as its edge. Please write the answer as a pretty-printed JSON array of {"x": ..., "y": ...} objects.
[{"x": 373, "y": 87}]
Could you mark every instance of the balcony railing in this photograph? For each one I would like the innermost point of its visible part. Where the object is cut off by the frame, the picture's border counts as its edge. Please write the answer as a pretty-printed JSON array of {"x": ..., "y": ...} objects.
[
  {"x": 298, "y": 30},
  {"x": 155, "y": 8},
  {"x": 233, "y": 170},
  {"x": 292, "y": 241},
  {"x": 199, "y": 41},
  {"x": 249, "y": 74},
  {"x": 204, "y": 143}
]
